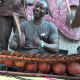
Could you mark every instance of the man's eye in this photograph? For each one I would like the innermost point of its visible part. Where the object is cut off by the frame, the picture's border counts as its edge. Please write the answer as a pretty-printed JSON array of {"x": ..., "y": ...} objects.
[{"x": 36, "y": 7}]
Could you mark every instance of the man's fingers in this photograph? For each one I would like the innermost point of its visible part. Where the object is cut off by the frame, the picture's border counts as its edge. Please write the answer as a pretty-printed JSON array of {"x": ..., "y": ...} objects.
[{"x": 22, "y": 40}]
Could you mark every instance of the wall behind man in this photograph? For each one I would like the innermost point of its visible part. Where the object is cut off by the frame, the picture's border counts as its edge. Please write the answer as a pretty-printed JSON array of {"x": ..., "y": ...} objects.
[{"x": 68, "y": 44}]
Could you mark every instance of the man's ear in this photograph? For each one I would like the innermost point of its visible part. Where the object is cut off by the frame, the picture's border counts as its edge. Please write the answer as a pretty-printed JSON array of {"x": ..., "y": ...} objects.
[
  {"x": 46, "y": 12},
  {"x": 49, "y": 13}
]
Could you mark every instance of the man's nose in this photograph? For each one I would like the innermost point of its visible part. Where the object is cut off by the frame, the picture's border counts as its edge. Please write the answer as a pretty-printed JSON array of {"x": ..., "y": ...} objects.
[{"x": 38, "y": 9}]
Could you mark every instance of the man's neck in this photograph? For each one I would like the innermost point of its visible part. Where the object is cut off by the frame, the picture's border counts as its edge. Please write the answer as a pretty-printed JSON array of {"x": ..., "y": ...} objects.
[{"x": 37, "y": 20}]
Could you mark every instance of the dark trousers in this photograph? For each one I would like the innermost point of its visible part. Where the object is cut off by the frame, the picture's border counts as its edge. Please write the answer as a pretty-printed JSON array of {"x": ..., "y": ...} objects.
[{"x": 6, "y": 24}]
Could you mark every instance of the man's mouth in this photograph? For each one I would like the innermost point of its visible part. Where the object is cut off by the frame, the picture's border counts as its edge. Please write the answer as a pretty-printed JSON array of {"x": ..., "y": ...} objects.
[{"x": 36, "y": 12}]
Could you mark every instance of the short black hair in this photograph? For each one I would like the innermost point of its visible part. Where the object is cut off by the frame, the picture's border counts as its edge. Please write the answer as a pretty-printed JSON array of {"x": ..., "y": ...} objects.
[{"x": 47, "y": 9}]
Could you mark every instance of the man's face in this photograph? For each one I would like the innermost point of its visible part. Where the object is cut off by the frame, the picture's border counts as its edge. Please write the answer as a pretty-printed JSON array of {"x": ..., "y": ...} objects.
[{"x": 40, "y": 9}]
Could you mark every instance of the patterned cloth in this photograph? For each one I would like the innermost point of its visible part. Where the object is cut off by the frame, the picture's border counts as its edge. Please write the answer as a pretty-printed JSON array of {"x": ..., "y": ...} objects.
[{"x": 10, "y": 77}]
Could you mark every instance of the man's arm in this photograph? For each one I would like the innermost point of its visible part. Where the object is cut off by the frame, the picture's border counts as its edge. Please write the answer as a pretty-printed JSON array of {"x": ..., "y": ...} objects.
[
  {"x": 17, "y": 40},
  {"x": 53, "y": 46}
]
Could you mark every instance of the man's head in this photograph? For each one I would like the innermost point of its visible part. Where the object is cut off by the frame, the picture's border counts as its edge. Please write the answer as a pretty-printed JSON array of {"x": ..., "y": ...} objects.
[{"x": 40, "y": 9}]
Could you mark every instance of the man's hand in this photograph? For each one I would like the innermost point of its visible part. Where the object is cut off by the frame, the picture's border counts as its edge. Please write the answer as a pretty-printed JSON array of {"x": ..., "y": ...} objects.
[
  {"x": 21, "y": 40},
  {"x": 13, "y": 45}
]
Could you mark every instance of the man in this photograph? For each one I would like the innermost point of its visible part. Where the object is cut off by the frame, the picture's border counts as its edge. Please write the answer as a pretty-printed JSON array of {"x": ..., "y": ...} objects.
[{"x": 38, "y": 35}]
